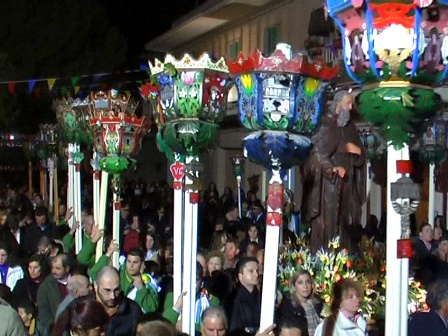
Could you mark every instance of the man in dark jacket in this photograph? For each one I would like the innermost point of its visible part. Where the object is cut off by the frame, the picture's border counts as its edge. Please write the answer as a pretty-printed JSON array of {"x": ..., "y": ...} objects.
[
  {"x": 434, "y": 322},
  {"x": 39, "y": 228},
  {"x": 244, "y": 305},
  {"x": 124, "y": 313}
]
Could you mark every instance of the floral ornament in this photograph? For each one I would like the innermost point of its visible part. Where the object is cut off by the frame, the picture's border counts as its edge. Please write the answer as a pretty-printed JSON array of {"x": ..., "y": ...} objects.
[
  {"x": 330, "y": 265},
  {"x": 248, "y": 84},
  {"x": 188, "y": 77}
]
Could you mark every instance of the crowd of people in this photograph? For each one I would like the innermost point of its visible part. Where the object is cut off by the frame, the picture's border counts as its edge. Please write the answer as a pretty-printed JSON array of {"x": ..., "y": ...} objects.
[{"x": 47, "y": 289}]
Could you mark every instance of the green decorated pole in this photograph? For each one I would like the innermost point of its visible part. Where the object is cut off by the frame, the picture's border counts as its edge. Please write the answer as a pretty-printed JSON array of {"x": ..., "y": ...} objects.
[
  {"x": 190, "y": 97},
  {"x": 117, "y": 133}
]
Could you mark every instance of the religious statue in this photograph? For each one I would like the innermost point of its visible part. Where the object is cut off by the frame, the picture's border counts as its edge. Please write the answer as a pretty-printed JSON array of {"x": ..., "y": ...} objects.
[{"x": 334, "y": 178}]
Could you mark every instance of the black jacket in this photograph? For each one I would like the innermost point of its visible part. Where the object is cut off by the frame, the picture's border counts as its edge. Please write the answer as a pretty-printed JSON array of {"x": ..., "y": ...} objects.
[
  {"x": 123, "y": 322},
  {"x": 33, "y": 235},
  {"x": 25, "y": 290},
  {"x": 244, "y": 308}
]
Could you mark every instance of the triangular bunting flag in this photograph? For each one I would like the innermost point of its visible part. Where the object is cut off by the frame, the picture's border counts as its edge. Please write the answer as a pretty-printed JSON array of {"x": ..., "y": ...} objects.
[
  {"x": 51, "y": 82},
  {"x": 12, "y": 87},
  {"x": 128, "y": 92},
  {"x": 31, "y": 84},
  {"x": 76, "y": 89},
  {"x": 75, "y": 80}
]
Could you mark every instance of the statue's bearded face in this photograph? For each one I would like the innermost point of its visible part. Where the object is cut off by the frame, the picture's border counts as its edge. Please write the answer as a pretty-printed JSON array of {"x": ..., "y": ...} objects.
[
  {"x": 343, "y": 117},
  {"x": 343, "y": 110}
]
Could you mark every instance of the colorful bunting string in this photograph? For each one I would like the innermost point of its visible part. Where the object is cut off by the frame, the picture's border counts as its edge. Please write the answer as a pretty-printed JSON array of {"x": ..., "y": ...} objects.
[{"x": 78, "y": 83}]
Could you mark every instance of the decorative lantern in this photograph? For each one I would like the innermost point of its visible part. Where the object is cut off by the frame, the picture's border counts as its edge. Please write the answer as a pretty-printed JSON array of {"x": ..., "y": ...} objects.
[
  {"x": 432, "y": 147},
  {"x": 189, "y": 98},
  {"x": 280, "y": 99},
  {"x": 117, "y": 130},
  {"x": 397, "y": 50}
]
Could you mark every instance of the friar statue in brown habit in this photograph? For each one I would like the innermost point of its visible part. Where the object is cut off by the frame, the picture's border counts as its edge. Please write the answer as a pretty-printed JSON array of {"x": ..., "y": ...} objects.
[{"x": 334, "y": 178}]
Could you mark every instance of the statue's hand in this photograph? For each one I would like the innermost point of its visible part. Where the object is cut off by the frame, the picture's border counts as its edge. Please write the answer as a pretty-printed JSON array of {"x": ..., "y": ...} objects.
[
  {"x": 340, "y": 171},
  {"x": 352, "y": 148}
]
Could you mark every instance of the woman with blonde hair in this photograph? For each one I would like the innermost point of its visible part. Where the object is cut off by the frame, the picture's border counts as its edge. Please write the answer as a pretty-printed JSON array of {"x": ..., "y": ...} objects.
[
  {"x": 345, "y": 318},
  {"x": 301, "y": 306}
]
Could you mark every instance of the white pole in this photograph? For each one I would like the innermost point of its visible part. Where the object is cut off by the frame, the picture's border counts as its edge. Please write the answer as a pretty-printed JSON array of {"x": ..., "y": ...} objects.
[
  {"x": 94, "y": 162},
  {"x": 177, "y": 242},
  {"x": 50, "y": 164},
  {"x": 365, "y": 215},
  {"x": 116, "y": 227},
  {"x": 189, "y": 256},
  {"x": 238, "y": 183},
  {"x": 187, "y": 275},
  {"x": 271, "y": 261},
  {"x": 77, "y": 210},
  {"x": 102, "y": 212},
  {"x": 70, "y": 171},
  {"x": 396, "y": 280},
  {"x": 431, "y": 196}
]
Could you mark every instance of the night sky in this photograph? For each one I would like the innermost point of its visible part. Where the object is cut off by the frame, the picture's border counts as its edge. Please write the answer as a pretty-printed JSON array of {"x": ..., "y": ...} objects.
[{"x": 141, "y": 21}]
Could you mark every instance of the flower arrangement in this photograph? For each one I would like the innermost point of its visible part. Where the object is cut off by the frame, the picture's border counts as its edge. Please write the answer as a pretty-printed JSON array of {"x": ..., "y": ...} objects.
[{"x": 330, "y": 265}]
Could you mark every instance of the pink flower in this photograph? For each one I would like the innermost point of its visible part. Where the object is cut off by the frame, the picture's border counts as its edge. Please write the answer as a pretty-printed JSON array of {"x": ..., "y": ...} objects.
[{"x": 188, "y": 77}]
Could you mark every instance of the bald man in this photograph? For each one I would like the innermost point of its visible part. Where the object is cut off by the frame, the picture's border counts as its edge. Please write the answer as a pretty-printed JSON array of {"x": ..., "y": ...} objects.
[
  {"x": 124, "y": 313},
  {"x": 77, "y": 286}
]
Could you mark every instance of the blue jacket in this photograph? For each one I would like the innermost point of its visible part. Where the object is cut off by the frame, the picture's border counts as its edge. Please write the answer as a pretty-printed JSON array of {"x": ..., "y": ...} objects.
[{"x": 426, "y": 323}]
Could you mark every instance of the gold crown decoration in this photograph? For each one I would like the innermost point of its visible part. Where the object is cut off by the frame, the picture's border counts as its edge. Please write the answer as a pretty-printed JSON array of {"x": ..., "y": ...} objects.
[{"x": 189, "y": 62}]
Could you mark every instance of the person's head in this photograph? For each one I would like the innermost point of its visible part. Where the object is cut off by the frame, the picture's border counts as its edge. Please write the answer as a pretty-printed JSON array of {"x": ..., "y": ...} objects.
[
  {"x": 88, "y": 224},
  {"x": 344, "y": 104},
  {"x": 27, "y": 311},
  {"x": 289, "y": 326},
  {"x": 107, "y": 287},
  {"x": 252, "y": 249},
  {"x": 60, "y": 267},
  {"x": 44, "y": 246},
  {"x": 88, "y": 318},
  {"x": 202, "y": 260},
  {"x": 156, "y": 328},
  {"x": 232, "y": 249},
  {"x": 260, "y": 258},
  {"x": 214, "y": 322},
  {"x": 257, "y": 207},
  {"x": 79, "y": 285},
  {"x": 4, "y": 253},
  {"x": 232, "y": 212},
  {"x": 13, "y": 220},
  {"x": 248, "y": 272},
  {"x": 439, "y": 221},
  {"x": 442, "y": 248},
  {"x": 252, "y": 231},
  {"x": 302, "y": 284},
  {"x": 426, "y": 232},
  {"x": 84, "y": 213},
  {"x": 134, "y": 261},
  {"x": 150, "y": 241},
  {"x": 219, "y": 239},
  {"x": 124, "y": 211},
  {"x": 347, "y": 296},
  {"x": 437, "y": 297},
  {"x": 215, "y": 261},
  {"x": 40, "y": 215},
  {"x": 38, "y": 266},
  {"x": 135, "y": 225}
]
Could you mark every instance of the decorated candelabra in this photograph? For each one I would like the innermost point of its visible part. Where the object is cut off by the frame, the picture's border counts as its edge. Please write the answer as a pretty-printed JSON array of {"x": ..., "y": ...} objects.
[
  {"x": 397, "y": 51},
  {"x": 117, "y": 133},
  {"x": 73, "y": 119},
  {"x": 280, "y": 99},
  {"x": 48, "y": 141},
  {"x": 238, "y": 171},
  {"x": 189, "y": 98}
]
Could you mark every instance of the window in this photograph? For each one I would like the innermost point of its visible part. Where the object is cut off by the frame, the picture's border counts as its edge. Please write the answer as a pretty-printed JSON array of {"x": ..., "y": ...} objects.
[
  {"x": 234, "y": 49},
  {"x": 271, "y": 39}
]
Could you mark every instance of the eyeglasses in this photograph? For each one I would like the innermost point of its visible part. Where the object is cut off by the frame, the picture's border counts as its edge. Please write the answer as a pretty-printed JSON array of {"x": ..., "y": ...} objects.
[{"x": 107, "y": 291}]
